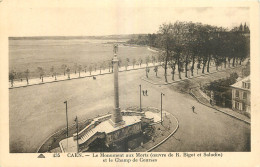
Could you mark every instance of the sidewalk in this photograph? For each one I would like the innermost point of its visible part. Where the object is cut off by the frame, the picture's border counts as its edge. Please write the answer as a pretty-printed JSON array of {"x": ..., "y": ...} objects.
[
  {"x": 50, "y": 79},
  {"x": 162, "y": 82},
  {"x": 194, "y": 93}
]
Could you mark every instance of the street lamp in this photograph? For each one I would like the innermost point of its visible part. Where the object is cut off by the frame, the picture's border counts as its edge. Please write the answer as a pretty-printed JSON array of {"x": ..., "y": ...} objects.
[
  {"x": 161, "y": 107},
  {"x": 77, "y": 126},
  {"x": 67, "y": 121},
  {"x": 140, "y": 98}
]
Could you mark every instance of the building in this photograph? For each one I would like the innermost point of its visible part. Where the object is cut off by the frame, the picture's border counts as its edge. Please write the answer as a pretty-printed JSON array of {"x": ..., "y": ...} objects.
[{"x": 241, "y": 95}]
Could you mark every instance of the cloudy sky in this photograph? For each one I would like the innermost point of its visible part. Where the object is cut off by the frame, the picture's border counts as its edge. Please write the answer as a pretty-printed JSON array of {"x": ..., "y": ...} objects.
[{"x": 107, "y": 19}]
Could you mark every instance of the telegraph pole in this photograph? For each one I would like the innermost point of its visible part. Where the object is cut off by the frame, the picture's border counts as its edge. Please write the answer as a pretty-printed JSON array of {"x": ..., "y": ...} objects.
[
  {"x": 67, "y": 121},
  {"x": 161, "y": 107},
  {"x": 77, "y": 126},
  {"x": 140, "y": 98}
]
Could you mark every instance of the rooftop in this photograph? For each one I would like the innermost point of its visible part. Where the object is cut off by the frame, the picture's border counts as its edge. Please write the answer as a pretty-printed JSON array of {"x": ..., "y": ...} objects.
[{"x": 239, "y": 84}]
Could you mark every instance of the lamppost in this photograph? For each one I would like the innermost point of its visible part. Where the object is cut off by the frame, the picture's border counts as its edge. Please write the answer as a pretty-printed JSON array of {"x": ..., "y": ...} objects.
[
  {"x": 161, "y": 107},
  {"x": 77, "y": 126},
  {"x": 140, "y": 98},
  {"x": 67, "y": 121}
]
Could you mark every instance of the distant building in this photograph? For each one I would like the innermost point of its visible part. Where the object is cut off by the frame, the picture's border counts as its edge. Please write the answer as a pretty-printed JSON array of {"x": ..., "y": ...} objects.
[{"x": 241, "y": 95}]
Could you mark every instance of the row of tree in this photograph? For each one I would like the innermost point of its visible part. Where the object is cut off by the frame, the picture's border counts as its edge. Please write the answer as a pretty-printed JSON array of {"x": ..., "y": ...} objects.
[
  {"x": 183, "y": 45},
  {"x": 77, "y": 68}
]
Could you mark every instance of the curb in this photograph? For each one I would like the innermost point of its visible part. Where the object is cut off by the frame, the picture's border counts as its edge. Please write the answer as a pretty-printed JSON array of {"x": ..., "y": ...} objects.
[
  {"x": 188, "y": 78},
  {"x": 161, "y": 142},
  {"x": 70, "y": 126},
  {"x": 219, "y": 110}
]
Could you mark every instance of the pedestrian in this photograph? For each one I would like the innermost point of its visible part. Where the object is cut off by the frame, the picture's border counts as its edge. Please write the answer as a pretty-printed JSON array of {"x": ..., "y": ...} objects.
[
  {"x": 193, "y": 108},
  {"x": 143, "y": 92},
  {"x": 146, "y": 92}
]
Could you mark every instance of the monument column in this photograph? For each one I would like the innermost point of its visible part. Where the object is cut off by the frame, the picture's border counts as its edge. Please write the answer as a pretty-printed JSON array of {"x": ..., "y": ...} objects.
[{"x": 116, "y": 115}]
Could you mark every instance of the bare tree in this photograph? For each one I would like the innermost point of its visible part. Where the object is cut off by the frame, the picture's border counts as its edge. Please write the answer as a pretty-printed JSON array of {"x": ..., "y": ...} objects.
[
  {"x": 85, "y": 68},
  {"x": 147, "y": 60},
  {"x": 90, "y": 69},
  {"x": 155, "y": 70},
  {"x": 75, "y": 67},
  {"x": 68, "y": 72},
  {"x": 140, "y": 61},
  {"x": 52, "y": 70},
  {"x": 147, "y": 70},
  {"x": 41, "y": 72},
  {"x": 11, "y": 77},
  {"x": 79, "y": 69},
  {"x": 134, "y": 62},
  {"x": 64, "y": 67},
  {"x": 27, "y": 76}
]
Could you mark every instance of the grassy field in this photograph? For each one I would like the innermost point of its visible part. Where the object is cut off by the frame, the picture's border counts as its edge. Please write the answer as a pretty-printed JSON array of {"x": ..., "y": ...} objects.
[{"x": 30, "y": 54}]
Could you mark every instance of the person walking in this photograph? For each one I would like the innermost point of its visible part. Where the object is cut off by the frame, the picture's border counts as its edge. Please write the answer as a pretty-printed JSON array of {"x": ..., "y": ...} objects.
[
  {"x": 146, "y": 92},
  {"x": 143, "y": 93},
  {"x": 193, "y": 109}
]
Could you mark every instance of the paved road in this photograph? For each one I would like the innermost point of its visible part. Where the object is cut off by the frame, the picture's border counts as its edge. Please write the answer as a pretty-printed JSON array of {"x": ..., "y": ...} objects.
[{"x": 38, "y": 111}]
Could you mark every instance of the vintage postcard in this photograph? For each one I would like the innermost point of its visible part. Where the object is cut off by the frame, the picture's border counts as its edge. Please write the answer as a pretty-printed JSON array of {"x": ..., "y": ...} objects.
[{"x": 129, "y": 83}]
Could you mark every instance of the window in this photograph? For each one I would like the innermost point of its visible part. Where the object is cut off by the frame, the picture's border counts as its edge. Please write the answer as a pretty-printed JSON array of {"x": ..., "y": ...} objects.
[
  {"x": 243, "y": 106},
  {"x": 237, "y": 93},
  {"x": 244, "y": 95},
  {"x": 237, "y": 105},
  {"x": 248, "y": 85}
]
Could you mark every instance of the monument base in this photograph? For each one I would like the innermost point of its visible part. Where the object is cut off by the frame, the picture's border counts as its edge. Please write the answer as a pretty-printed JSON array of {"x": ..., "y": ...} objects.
[{"x": 114, "y": 124}]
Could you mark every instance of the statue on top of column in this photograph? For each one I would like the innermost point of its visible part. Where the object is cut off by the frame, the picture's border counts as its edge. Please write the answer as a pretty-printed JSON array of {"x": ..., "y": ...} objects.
[{"x": 115, "y": 50}]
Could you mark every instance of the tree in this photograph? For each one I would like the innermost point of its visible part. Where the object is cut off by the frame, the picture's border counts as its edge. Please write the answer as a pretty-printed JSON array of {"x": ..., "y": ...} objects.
[
  {"x": 19, "y": 76},
  {"x": 75, "y": 67},
  {"x": 178, "y": 44},
  {"x": 68, "y": 72},
  {"x": 165, "y": 40},
  {"x": 27, "y": 76},
  {"x": 85, "y": 68},
  {"x": 172, "y": 63},
  {"x": 101, "y": 66},
  {"x": 95, "y": 66},
  {"x": 153, "y": 59},
  {"x": 134, "y": 62},
  {"x": 64, "y": 67},
  {"x": 112, "y": 65},
  {"x": 11, "y": 77},
  {"x": 109, "y": 64},
  {"x": 90, "y": 69},
  {"x": 52, "y": 70},
  {"x": 147, "y": 60},
  {"x": 155, "y": 70},
  {"x": 152, "y": 40},
  {"x": 119, "y": 62},
  {"x": 126, "y": 63},
  {"x": 79, "y": 69},
  {"x": 41, "y": 72},
  {"x": 140, "y": 61},
  {"x": 147, "y": 70}
]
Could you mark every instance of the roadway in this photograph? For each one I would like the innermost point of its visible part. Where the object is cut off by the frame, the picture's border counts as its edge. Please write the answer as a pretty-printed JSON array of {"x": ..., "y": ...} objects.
[{"x": 38, "y": 111}]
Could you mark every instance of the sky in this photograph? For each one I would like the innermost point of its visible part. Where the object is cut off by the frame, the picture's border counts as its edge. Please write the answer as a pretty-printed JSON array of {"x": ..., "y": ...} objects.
[{"x": 109, "y": 19}]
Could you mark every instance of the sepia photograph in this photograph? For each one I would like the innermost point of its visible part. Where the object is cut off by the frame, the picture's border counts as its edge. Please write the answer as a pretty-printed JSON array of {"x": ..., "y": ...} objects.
[
  {"x": 178, "y": 83},
  {"x": 113, "y": 79}
]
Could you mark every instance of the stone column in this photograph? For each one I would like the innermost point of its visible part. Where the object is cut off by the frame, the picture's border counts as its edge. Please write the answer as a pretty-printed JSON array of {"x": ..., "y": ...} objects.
[{"x": 116, "y": 115}]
